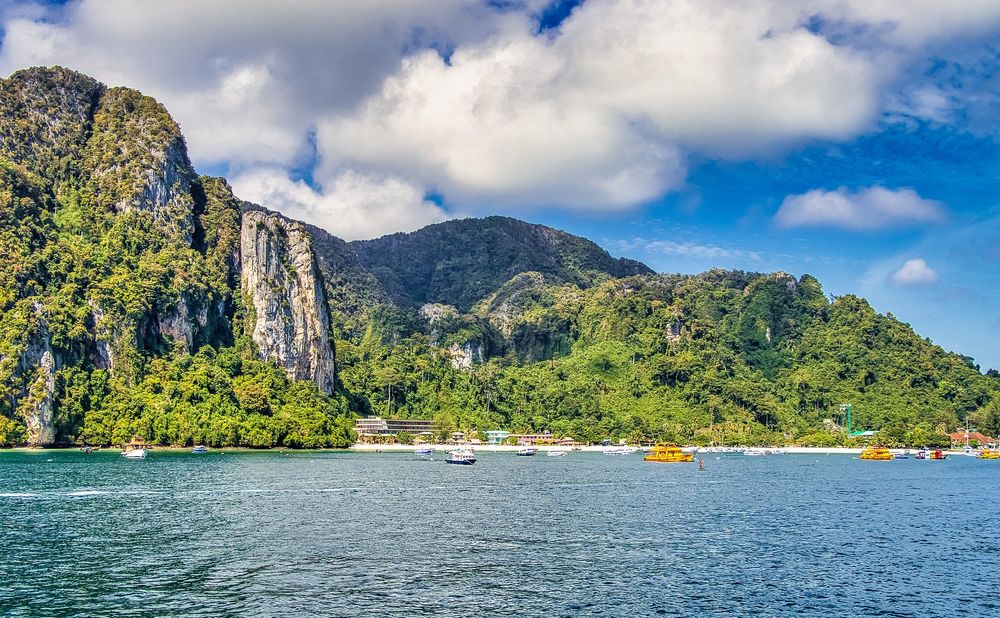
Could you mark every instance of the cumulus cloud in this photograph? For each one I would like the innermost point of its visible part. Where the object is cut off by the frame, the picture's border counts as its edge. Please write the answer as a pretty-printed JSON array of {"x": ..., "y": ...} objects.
[
  {"x": 914, "y": 272},
  {"x": 869, "y": 209},
  {"x": 467, "y": 99},
  {"x": 355, "y": 205}
]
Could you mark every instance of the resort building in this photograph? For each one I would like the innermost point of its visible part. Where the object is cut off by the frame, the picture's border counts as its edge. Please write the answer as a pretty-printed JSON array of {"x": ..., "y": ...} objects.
[
  {"x": 540, "y": 439},
  {"x": 378, "y": 427},
  {"x": 961, "y": 437},
  {"x": 497, "y": 436}
]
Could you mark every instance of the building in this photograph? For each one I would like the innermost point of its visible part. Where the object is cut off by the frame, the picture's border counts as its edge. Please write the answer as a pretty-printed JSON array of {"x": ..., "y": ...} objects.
[
  {"x": 497, "y": 436},
  {"x": 375, "y": 426},
  {"x": 961, "y": 436},
  {"x": 534, "y": 439}
]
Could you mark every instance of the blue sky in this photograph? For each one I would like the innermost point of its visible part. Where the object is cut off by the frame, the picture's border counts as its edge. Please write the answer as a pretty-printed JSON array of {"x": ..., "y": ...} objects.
[{"x": 851, "y": 140}]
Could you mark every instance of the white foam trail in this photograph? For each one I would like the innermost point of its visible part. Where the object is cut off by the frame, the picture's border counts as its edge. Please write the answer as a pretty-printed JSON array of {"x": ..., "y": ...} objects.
[
  {"x": 17, "y": 495},
  {"x": 89, "y": 492}
]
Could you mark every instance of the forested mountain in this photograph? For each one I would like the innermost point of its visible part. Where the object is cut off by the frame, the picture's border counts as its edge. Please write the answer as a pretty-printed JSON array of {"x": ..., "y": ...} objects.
[{"x": 137, "y": 297}]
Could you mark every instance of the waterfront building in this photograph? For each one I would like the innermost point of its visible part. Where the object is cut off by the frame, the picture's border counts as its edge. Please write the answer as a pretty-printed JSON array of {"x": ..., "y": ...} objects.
[
  {"x": 497, "y": 436},
  {"x": 378, "y": 428}
]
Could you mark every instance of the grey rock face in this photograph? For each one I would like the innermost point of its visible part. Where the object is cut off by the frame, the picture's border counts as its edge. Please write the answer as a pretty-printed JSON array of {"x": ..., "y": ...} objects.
[
  {"x": 37, "y": 366},
  {"x": 278, "y": 274}
]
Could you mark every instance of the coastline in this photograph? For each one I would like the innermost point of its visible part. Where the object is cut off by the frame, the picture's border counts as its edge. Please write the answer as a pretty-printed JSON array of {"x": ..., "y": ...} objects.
[{"x": 482, "y": 448}]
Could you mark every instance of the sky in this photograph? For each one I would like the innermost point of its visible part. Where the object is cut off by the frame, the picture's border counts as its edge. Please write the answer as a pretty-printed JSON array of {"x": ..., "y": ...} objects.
[{"x": 854, "y": 140}]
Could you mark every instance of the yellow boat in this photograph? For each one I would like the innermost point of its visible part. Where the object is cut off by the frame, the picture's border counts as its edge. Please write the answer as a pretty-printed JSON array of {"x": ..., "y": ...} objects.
[
  {"x": 667, "y": 453},
  {"x": 988, "y": 454},
  {"x": 876, "y": 453}
]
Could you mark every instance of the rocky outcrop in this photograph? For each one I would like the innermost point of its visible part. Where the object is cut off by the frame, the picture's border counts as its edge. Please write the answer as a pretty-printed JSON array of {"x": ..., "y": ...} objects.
[
  {"x": 53, "y": 108},
  {"x": 466, "y": 355},
  {"x": 138, "y": 158},
  {"x": 37, "y": 369},
  {"x": 279, "y": 276}
]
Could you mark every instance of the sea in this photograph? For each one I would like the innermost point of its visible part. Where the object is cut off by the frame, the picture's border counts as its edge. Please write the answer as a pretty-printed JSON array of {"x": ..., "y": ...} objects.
[{"x": 300, "y": 533}]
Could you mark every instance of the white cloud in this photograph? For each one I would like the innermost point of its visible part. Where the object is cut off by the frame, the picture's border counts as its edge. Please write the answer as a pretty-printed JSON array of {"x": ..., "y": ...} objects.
[
  {"x": 873, "y": 208},
  {"x": 914, "y": 272},
  {"x": 602, "y": 114},
  {"x": 687, "y": 249},
  {"x": 355, "y": 206}
]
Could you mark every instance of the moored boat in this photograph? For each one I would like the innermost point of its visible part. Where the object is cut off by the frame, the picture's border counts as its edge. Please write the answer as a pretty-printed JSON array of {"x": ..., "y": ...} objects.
[
  {"x": 198, "y": 450},
  {"x": 136, "y": 449},
  {"x": 988, "y": 454},
  {"x": 619, "y": 450},
  {"x": 555, "y": 454},
  {"x": 527, "y": 452},
  {"x": 668, "y": 453},
  {"x": 876, "y": 453},
  {"x": 462, "y": 457},
  {"x": 937, "y": 454},
  {"x": 423, "y": 452}
]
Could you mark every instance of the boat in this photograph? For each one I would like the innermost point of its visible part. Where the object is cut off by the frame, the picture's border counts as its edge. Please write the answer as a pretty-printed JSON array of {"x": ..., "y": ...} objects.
[
  {"x": 136, "y": 449},
  {"x": 619, "y": 450},
  {"x": 988, "y": 454},
  {"x": 198, "y": 450},
  {"x": 668, "y": 453},
  {"x": 755, "y": 452},
  {"x": 876, "y": 453},
  {"x": 555, "y": 454},
  {"x": 462, "y": 457},
  {"x": 937, "y": 454},
  {"x": 901, "y": 456},
  {"x": 423, "y": 452},
  {"x": 527, "y": 452}
]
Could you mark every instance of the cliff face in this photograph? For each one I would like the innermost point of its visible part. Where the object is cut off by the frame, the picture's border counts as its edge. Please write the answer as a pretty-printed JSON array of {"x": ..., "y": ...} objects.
[
  {"x": 279, "y": 276},
  {"x": 115, "y": 253}
]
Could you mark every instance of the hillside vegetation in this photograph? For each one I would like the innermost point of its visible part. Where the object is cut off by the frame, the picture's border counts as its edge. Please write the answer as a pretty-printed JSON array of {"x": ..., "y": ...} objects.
[{"x": 126, "y": 309}]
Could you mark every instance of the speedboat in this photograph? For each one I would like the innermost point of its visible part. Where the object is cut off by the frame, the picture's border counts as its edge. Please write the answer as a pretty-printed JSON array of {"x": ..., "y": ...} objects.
[
  {"x": 619, "y": 450},
  {"x": 527, "y": 452},
  {"x": 462, "y": 457},
  {"x": 555, "y": 454},
  {"x": 198, "y": 450},
  {"x": 755, "y": 452},
  {"x": 423, "y": 452}
]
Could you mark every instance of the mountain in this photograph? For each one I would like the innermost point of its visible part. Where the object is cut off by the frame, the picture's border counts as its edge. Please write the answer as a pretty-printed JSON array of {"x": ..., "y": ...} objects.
[
  {"x": 139, "y": 298},
  {"x": 461, "y": 262}
]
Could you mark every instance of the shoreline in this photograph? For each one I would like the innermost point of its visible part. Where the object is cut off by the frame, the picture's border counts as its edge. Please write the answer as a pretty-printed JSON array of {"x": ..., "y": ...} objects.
[{"x": 482, "y": 448}]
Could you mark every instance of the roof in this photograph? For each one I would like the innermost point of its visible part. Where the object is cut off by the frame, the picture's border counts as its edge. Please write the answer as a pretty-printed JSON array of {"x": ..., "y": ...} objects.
[{"x": 959, "y": 436}]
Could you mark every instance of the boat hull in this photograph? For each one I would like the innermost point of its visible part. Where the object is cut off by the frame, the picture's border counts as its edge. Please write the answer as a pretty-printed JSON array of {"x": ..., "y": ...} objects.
[
  {"x": 684, "y": 458},
  {"x": 460, "y": 462}
]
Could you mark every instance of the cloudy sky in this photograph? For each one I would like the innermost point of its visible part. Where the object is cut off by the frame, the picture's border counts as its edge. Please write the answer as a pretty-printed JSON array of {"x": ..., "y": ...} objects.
[{"x": 855, "y": 140}]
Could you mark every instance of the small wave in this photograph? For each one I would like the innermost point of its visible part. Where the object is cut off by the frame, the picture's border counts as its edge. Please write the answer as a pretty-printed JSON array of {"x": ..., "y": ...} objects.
[
  {"x": 17, "y": 495},
  {"x": 85, "y": 492}
]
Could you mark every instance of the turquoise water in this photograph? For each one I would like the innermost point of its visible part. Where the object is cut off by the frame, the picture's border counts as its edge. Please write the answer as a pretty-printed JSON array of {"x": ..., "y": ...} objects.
[{"x": 344, "y": 534}]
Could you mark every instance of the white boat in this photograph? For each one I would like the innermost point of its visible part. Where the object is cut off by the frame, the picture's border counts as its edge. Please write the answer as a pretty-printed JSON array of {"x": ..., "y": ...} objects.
[
  {"x": 619, "y": 450},
  {"x": 527, "y": 452},
  {"x": 136, "y": 449},
  {"x": 462, "y": 457},
  {"x": 198, "y": 450},
  {"x": 555, "y": 454},
  {"x": 423, "y": 452},
  {"x": 755, "y": 452}
]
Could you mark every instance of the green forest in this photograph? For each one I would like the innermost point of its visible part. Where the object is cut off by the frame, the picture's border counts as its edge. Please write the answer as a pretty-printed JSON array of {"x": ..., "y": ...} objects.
[{"x": 122, "y": 314}]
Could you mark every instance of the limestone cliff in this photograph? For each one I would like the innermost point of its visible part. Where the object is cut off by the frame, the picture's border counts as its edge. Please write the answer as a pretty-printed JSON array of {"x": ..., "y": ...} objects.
[{"x": 279, "y": 277}]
